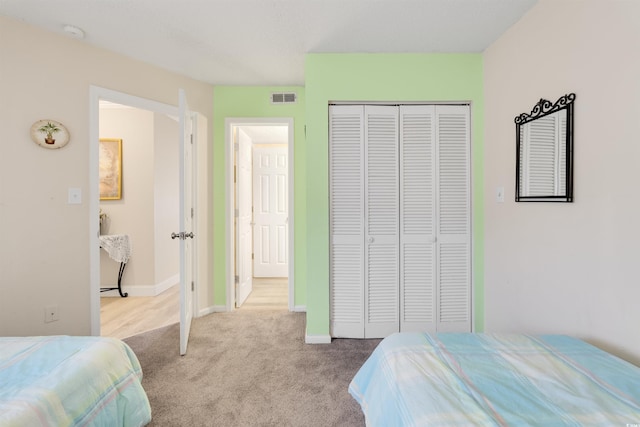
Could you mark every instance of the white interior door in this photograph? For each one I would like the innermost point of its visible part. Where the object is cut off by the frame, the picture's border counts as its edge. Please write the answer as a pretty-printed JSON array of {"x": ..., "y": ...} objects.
[
  {"x": 185, "y": 235},
  {"x": 244, "y": 273},
  {"x": 270, "y": 199}
]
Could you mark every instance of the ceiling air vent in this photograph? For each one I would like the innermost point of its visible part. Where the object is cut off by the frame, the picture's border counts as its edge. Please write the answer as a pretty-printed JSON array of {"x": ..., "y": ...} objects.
[{"x": 283, "y": 98}]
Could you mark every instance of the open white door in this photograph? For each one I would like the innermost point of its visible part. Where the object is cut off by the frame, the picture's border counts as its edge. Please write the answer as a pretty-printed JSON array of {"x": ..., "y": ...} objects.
[
  {"x": 186, "y": 221},
  {"x": 270, "y": 212},
  {"x": 244, "y": 272}
]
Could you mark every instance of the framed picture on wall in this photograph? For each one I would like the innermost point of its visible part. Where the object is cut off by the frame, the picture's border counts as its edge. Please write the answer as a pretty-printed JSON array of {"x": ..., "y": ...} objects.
[{"x": 110, "y": 169}]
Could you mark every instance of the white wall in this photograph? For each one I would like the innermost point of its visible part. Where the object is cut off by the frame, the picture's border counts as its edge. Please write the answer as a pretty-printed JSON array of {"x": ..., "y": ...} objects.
[
  {"x": 568, "y": 268},
  {"x": 133, "y": 213},
  {"x": 44, "y": 241},
  {"x": 166, "y": 198}
]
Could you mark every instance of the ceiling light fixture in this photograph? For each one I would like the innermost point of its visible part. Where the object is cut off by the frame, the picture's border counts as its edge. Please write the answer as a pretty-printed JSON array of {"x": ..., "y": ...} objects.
[{"x": 74, "y": 31}]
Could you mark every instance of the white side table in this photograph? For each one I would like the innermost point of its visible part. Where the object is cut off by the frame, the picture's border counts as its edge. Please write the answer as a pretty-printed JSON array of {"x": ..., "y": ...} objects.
[{"x": 118, "y": 246}]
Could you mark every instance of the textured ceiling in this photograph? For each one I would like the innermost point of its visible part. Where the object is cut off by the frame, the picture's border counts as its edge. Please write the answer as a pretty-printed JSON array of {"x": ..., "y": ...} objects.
[{"x": 263, "y": 42}]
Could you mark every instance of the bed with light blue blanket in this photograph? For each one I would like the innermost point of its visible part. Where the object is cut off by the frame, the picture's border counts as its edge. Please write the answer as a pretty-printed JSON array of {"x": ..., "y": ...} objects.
[
  {"x": 414, "y": 379},
  {"x": 68, "y": 381}
]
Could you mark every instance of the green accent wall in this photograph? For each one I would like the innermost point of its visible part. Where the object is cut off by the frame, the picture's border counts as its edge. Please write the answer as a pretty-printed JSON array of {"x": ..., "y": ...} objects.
[
  {"x": 254, "y": 102},
  {"x": 382, "y": 77}
]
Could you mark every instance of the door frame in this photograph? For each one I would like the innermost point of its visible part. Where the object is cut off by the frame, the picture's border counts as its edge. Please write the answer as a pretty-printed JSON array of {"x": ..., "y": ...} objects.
[
  {"x": 96, "y": 94},
  {"x": 230, "y": 250}
]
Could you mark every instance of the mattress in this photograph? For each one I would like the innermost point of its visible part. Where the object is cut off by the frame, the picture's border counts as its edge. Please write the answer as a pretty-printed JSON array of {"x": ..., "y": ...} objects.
[
  {"x": 414, "y": 379},
  {"x": 68, "y": 381}
]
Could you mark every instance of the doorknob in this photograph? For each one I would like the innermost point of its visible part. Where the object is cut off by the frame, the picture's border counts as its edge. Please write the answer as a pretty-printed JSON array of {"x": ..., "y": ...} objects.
[
  {"x": 182, "y": 235},
  {"x": 371, "y": 239}
]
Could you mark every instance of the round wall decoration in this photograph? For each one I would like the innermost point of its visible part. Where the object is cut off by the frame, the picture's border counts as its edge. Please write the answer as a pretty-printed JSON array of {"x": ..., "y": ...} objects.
[{"x": 49, "y": 134}]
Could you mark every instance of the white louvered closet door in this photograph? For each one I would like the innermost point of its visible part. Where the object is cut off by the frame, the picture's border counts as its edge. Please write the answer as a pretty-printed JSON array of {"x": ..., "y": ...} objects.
[
  {"x": 381, "y": 287},
  {"x": 400, "y": 219},
  {"x": 453, "y": 240},
  {"x": 417, "y": 219},
  {"x": 346, "y": 211}
]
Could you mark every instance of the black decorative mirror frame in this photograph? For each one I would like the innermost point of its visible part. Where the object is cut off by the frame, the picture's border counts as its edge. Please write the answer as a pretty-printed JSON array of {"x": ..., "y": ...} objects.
[{"x": 544, "y": 152}]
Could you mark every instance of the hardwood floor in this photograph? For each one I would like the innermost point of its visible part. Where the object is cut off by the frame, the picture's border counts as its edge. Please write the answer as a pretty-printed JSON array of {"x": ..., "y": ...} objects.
[
  {"x": 125, "y": 317},
  {"x": 268, "y": 294}
]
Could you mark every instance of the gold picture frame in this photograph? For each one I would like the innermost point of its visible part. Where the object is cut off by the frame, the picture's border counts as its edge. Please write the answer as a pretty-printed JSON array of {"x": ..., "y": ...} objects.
[{"x": 110, "y": 161}]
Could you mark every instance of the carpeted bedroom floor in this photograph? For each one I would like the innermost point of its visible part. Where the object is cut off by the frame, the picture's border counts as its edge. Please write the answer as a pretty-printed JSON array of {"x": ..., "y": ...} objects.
[{"x": 249, "y": 368}]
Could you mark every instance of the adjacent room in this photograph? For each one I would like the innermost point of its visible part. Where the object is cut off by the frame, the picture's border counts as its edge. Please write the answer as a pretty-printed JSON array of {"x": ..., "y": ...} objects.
[{"x": 299, "y": 212}]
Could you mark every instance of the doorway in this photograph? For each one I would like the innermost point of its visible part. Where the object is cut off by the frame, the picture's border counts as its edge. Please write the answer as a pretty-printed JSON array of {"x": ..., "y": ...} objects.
[
  {"x": 140, "y": 216},
  {"x": 259, "y": 201},
  {"x": 169, "y": 113}
]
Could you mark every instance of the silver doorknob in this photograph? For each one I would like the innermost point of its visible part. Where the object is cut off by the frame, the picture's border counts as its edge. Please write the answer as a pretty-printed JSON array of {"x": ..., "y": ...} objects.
[
  {"x": 182, "y": 235},
  {"x": 370, "y": 239}
]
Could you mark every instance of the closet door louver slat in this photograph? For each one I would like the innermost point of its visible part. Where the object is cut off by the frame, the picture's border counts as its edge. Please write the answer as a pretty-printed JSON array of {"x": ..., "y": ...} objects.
[
  {"x": 346, "y": 188},
  {"x": 454, "y": 237},
  {"x": 417, "y": 218},
  {"x": 381, "y": 221}
]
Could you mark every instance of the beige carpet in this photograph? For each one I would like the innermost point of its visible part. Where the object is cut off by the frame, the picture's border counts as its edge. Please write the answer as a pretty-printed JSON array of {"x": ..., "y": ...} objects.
[{"x": 249, "y": 368}]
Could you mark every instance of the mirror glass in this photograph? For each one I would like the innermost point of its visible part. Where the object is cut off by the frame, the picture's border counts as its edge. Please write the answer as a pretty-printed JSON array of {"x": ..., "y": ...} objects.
[{"x": 544, "y": 147}]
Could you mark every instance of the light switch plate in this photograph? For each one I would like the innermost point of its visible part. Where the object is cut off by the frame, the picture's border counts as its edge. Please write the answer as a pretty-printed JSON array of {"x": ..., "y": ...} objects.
[{"x": 75, "y": 196}]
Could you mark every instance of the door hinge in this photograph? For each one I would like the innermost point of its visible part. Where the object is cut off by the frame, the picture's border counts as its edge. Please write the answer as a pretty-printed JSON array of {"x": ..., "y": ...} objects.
[
  {"x": 191, "y": 138},
  {"x": 236, "y": 213},
  {"x": 252, "y": 256},
  {"x": 236, "y": 147},
  {"x": 193, "y": 286},
  {"x": 192, "y": 213},
  {"x": 237, "y": 278},
  {"x": 234, "y": 174}
]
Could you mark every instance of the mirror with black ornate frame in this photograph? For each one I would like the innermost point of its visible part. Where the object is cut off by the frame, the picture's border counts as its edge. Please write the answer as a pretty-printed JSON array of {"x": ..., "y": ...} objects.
[{"x": 544, "y": 152}]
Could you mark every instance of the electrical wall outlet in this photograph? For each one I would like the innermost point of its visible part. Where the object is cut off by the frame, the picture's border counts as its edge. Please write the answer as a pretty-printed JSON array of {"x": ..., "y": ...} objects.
[{"x": 51, "y": 313}]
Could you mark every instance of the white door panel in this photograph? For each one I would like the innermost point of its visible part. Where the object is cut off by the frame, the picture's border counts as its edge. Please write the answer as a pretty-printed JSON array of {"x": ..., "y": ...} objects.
[
  {"x": 187, "y": 184},
  {"x": 270, "y": 177},
  {"x": 244, "y": 268}
]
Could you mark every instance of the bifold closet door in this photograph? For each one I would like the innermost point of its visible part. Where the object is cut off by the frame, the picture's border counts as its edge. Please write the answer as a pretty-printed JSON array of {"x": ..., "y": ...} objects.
[
  {"x": 400, "y": 233},
  {"x": 364, "y": 252},
  {"x": 435, "y": 237}
]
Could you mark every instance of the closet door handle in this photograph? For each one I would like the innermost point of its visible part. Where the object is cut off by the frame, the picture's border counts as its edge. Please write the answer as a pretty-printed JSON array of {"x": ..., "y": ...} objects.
[{"x": 370, "y": 239}]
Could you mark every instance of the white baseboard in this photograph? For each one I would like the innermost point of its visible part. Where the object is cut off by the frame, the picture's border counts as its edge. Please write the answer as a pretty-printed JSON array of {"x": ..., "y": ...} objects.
[
  {"x": 212, "y": 309},
  {"x": 166, "y": 284},
  {"x": 317, "y": 339},
  {"x": 300, "y": 308},
  {"x": 145, "y": 290}
]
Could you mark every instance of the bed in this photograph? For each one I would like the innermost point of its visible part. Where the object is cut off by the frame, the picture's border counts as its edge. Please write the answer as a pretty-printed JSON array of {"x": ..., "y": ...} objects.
[
  {"x": 68, "y": 381},
  {"x": 414, "y": 379}
]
